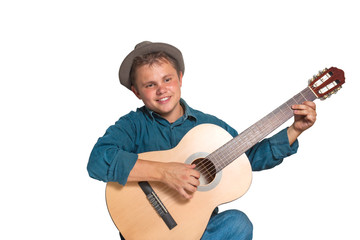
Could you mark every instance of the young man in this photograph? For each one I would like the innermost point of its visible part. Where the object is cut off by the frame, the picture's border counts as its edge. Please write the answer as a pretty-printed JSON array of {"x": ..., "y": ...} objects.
[{"x": 154, "y": 72}]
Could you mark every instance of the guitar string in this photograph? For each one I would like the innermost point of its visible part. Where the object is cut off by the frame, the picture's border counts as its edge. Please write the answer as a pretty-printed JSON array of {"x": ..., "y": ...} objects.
[
  {"x": 210, "y": 164},
  {"x": 284, "y": 117},
  {"x": 228, "y": 152},
  {"x": 233, "y": 154},
  {"x": 169, "y": 192},
  {"x": 166, "y": 189},
  {"x": 310, "y": 97}
]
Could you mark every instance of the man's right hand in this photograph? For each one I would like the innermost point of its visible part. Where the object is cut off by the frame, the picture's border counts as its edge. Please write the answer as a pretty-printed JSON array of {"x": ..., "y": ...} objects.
[{"x": 179, "y": 176}]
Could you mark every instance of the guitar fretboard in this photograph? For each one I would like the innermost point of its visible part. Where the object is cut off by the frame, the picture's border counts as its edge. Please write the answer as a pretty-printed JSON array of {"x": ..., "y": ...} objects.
[{"x": 255, "y": 133}]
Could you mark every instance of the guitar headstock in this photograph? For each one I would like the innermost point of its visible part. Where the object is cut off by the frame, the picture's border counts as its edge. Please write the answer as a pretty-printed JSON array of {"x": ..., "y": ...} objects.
[{"x": 327, "y": 82}]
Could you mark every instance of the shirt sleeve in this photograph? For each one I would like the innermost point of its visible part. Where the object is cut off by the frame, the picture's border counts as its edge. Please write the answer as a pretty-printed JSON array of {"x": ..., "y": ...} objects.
[
  {"x": 270, "y": 152},
  {"x": 113, "y": 157}
]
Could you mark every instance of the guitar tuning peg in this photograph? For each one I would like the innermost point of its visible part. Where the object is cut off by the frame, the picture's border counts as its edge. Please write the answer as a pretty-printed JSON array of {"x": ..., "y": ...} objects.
[{"x": 325, "y": 69}]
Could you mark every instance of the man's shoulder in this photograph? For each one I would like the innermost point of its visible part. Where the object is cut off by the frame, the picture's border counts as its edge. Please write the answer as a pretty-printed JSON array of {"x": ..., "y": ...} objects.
[
  {"x": 205, "y": 117},
  {"x": 202, "y": 117},
  {"x": 138, "y": 115}
]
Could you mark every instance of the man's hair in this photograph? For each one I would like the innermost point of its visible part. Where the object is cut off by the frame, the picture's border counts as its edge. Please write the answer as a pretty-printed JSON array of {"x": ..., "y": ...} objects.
[{"x": 151, "y": 59}]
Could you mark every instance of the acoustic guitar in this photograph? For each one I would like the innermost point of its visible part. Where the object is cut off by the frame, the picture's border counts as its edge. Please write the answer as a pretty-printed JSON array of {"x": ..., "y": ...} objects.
[{"x": 153, "y": 211}]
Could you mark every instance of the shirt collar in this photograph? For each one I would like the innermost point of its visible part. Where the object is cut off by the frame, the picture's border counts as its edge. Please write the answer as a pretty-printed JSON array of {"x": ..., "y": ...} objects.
[{"x": 188, "y": 111}]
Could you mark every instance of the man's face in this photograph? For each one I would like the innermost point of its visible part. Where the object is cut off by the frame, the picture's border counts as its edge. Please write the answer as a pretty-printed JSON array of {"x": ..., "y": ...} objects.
[{"x": 159, "y": 87}]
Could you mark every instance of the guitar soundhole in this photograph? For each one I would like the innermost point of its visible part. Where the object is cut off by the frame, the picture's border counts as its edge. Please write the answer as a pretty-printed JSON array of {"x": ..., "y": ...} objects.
[{"x": 207, "y": 170}]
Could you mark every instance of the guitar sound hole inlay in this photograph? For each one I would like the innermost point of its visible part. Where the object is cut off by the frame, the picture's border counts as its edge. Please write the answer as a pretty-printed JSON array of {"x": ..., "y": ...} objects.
[{"x": 209, "y": 176}]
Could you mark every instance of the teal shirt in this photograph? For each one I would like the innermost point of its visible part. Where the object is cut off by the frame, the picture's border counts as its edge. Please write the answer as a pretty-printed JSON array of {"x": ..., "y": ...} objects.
[{"x": 115, "y": 154}]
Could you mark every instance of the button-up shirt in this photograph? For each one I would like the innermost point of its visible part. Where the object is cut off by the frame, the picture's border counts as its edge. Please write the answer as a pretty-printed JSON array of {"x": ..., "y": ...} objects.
[{"x": 115, "y": 154}]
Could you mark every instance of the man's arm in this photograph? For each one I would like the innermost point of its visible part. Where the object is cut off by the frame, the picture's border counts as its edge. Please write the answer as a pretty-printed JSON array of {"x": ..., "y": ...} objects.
[{"x": 113, "y": 160}]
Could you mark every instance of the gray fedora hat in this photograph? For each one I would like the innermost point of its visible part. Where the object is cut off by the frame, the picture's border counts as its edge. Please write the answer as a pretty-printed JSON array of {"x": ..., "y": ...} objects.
[{"x": 145, "y": 48}]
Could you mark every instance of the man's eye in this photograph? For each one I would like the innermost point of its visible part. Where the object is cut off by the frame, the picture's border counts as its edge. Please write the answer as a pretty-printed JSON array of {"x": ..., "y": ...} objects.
[
  {"x": 167, "y": 79},
  {"x": 149, "y": 85}
]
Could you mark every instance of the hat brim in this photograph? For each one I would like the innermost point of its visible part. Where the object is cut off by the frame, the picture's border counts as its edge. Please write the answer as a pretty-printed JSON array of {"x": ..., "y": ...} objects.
[{"x": 125, "y": 68}]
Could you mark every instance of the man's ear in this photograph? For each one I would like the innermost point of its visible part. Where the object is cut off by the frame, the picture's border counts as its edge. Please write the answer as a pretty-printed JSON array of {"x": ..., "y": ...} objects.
[
  {"x": 180, "y": 78},
  {"x": 135, "y": 91}
]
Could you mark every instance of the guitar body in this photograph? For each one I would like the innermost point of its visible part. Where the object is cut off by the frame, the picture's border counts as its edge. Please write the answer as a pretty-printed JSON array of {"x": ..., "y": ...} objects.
[{"x": 137, "y": 219}]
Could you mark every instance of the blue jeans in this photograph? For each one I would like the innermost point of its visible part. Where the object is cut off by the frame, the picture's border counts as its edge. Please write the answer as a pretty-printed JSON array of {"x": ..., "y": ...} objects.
[{"x": 228, "y": 225}]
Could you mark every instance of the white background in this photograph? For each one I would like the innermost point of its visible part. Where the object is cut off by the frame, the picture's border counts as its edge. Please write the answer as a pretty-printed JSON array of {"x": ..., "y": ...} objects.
[{"x": 59, "y": 92}]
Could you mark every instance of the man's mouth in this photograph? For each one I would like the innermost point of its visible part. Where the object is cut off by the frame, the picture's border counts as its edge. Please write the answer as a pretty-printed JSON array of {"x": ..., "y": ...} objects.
[{"x": 164, "y": 99}]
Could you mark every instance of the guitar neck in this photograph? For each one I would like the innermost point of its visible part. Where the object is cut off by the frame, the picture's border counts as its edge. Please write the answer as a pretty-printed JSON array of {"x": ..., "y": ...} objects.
[{"x": 255, "y": 133}]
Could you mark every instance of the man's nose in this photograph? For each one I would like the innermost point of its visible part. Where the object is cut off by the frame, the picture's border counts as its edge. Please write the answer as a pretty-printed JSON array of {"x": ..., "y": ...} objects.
[{"x": 161, "y": 89}]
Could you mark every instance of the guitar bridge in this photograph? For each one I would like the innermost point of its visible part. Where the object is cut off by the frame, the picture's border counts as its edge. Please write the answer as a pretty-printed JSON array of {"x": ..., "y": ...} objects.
[{"x": 158, "y": 205}]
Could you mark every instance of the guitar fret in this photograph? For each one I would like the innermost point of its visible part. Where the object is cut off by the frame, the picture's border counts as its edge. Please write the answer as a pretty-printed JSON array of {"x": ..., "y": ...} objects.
[
  {"x": 299, "y": 99},
  {"x": 249, "y": 137}
]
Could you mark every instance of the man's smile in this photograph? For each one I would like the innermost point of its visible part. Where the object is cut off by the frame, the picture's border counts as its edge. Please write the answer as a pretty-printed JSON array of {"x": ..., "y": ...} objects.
[{"x": 163, "y": 100}]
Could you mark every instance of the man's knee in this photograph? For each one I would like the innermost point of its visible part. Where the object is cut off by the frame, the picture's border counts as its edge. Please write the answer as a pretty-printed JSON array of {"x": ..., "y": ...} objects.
[{"x": 241, "y": 224}]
